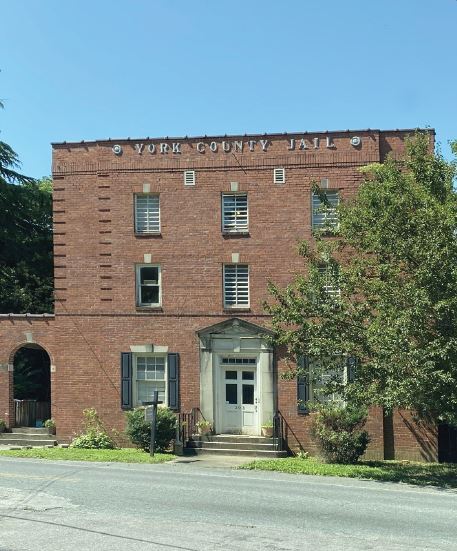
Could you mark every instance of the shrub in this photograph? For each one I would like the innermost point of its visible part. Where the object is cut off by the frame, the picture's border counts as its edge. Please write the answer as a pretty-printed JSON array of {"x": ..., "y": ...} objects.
[
  {"x": 339, "y": 432},
  {"x": 139, "y": 430},
  {"x": 94, "y": 435}
]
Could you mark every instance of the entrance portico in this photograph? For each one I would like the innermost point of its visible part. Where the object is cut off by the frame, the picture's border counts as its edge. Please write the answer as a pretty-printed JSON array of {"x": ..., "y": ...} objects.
[{"x": 236, "y": 377}]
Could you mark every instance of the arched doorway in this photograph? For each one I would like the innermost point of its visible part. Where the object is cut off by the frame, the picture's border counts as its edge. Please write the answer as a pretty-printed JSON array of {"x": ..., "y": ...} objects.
[{"x": 32, "y": 385}]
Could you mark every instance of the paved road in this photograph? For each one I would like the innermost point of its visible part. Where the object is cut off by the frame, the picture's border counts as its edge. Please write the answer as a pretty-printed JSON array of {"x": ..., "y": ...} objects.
[{"x": 86, "y": 506}]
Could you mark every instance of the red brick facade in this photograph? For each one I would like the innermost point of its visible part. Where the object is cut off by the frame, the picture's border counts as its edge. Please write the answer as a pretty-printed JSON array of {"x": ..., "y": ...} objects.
[{"x": 96, "y": 251}]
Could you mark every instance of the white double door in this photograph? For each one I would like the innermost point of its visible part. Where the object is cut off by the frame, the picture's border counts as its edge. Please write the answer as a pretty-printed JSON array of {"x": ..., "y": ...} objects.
[{"x": 238, "y": 393}]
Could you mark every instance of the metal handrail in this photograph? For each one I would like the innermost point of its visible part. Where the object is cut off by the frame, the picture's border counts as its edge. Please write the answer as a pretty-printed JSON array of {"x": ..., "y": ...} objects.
[
  {"x": 187, "y": 424},
  {"x": 279, "y": 432}
]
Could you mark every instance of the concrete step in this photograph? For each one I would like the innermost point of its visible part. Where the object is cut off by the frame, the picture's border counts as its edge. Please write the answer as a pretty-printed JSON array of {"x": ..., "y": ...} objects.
[
  {"x": 11, "y": 440},
  {"x": 221, "y": 444},
  {"x": 28, "y": 430},
  {"x": 28, "y": 435},
  {"x": 235, "y": 438},
  {"x": 261, "y": 454}
]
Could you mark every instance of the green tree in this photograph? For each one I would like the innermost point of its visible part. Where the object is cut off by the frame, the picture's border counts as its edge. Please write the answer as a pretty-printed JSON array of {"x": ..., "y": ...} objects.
[
  {"x": 396, "y": 310},
  {"x": 25, "y": 239}
]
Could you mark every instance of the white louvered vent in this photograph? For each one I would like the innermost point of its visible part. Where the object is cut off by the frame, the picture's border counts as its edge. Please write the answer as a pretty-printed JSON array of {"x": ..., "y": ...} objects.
[
  {"x": 189, "y": 177},
  {"x": 279, "y": 175},
  {"x": 236, "y": 285},
  {"x": 235, "y": 212},
  {"x": 147, "y": 213}
]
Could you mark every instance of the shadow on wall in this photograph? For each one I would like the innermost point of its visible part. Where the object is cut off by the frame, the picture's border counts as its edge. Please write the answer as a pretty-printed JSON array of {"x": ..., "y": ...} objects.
[{"x": 425, "y": 434}]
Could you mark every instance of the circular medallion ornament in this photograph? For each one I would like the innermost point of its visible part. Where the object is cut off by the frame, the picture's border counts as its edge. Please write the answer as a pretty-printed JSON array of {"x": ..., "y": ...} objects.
[
  {"x": 117, "y": 149},
  {"x": 356, "y": 141}
]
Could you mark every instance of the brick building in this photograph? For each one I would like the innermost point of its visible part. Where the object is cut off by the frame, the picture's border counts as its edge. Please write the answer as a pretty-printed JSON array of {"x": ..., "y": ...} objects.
[{"x": 163, "y": 249}]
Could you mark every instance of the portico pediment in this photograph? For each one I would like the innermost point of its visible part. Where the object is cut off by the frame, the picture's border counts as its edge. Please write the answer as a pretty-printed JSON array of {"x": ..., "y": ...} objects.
[{"x": 234, "y": 326}]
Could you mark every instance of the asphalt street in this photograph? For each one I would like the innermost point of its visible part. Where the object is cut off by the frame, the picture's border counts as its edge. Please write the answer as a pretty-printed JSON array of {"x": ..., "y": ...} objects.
[{"x": 97, "y": 506}]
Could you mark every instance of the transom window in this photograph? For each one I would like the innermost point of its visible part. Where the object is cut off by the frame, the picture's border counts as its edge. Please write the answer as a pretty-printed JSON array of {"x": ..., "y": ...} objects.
[
  {"x": 147, "y": 213},
  {"x": 234, "y": 212},
  {"x": 239, "y": 361},
  {"x": 324, "y": 210},
  {"x": 150, "y": 376},
  {"x": 236, "y": 286},
  {"x": 148, "y": 285}
]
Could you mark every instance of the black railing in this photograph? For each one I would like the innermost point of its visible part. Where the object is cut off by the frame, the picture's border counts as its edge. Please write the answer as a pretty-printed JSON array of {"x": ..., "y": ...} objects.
[
  {"x": 187, "y": 425},
  {"x": 279, "y": 432}
]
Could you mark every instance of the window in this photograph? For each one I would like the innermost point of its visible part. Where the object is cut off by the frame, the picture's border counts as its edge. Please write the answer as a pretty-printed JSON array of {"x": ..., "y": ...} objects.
[
  {"x": 189, "y": 177},
  {"x": 236, "y": 286},
  {"x": 330, "y": 275},
  {"x": 149, "y": 375},
  {"x": 279, "y": 175},
  {"x": 322, "y": 381},
  {"x": 324, "y": 210},
  {"x": 148, "y": 285},
  {"x": 235, "y": 212},
  {"x": 147, "y": 213}
]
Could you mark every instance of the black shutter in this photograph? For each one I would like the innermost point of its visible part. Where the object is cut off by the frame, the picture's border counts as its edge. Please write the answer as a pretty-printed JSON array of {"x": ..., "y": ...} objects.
[
  {"x": 126, "y": 380},
  {"x": 173, "y": 381},
  {"x": 303, "y": 387},
  {"x": 351, "y": 364}
]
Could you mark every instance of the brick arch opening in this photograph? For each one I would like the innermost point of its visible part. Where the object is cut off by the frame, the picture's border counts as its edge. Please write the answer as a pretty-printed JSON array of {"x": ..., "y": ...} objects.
[{"x": 30, "y": 385}]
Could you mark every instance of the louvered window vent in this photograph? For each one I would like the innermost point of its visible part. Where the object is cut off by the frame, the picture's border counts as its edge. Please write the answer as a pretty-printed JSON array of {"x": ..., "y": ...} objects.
[{"x": 279, "y": 176}]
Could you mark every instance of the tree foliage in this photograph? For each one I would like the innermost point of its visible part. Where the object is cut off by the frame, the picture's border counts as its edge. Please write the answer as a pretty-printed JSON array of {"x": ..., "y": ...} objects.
[
  {"x": 25, "y": 239},
  {"x": 339, "y": 431},
  {"x": 396, "y": 311}
]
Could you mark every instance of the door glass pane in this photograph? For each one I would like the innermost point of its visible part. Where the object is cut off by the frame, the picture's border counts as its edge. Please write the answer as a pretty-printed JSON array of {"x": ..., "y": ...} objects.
[
  {"x": 230, "y": 374},
  {"x": 248, "y": 394},
  {"x": 231, "y": 395},
  {"x": 248, "y": 375}
]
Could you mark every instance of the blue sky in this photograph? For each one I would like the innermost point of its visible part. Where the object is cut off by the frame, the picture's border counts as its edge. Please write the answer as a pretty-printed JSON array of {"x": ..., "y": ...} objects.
[{"x": 117, "y": 68}]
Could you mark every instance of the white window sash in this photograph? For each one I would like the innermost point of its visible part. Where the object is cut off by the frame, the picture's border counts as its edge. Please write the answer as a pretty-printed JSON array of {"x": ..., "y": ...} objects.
[
  {"x": 235, "y": 212},
  {"x": 140, "y": 386},
  {"x": 147, "y": 213},
  {"x": 324, "y": 216},
  {"x": 236, "y": 286},
  {"x": 139, "y": 285}
]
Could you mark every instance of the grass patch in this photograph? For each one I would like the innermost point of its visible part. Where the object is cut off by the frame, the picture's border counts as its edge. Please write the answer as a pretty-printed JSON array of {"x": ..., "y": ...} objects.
[
  {"x": 123, "y": 455},
  {"x": 443, "y": 475}
]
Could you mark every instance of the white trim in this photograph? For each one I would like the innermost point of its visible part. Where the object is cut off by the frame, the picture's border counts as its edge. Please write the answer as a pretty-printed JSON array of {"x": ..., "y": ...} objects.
[
  {"x": 327, "y": 217},
  {"x": 148, "y": 348},
  {"x": 235, "y": 212},
  {"x": 236, "y": 283},
  {"x": 135, "y": 356},
  {"x": 138, "y": 269},
  {"x": 189, "y": 177},
  {"x": 279, "y": 175},
  {"x": 145, "y": 348},
  {"x": 219, "y": 424},
  {"x": 150, "y": 219}
]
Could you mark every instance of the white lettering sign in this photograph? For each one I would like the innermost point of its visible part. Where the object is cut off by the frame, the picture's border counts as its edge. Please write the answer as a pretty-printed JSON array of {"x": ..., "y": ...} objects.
[{"x": 227, "y": 146}]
